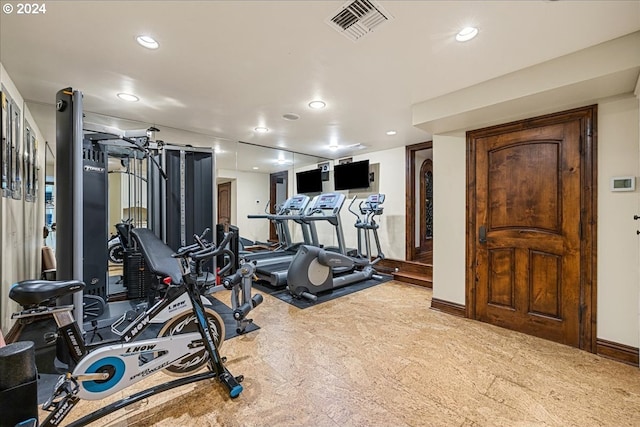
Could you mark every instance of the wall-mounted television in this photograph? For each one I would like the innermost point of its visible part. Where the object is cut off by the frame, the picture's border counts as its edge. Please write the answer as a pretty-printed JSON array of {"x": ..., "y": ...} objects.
[
  {"x": 352, "y": 175},
  {"x": 309, "y": 181}
]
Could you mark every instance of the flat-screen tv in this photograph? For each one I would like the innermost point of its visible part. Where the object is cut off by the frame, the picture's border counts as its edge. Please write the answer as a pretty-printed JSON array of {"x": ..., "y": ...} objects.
[
  {"x": 353, "y": 175},
  {"x": 309, "y": 181}
]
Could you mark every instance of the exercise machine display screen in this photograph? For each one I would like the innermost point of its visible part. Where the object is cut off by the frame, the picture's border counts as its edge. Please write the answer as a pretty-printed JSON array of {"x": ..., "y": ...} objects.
[
  {"x": 327, "y": 201},
  {"x": 296, "y": 202}
]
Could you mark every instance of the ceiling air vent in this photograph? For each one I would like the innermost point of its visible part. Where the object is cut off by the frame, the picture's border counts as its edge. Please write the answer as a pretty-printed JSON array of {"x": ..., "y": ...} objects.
[{"x": 358, "y": 18}]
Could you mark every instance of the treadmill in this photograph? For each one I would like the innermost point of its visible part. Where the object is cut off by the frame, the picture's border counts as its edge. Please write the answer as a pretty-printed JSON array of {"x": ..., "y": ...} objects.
[
  {"x": 291, "y": 210},
  {"x": 324, "y": 207}
]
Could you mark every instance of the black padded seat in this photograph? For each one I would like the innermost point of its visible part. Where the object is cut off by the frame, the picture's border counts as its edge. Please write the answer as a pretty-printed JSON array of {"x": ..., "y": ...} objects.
[
  {"x": 157, "y": 254},
  {"x": 33, "y": 292}
]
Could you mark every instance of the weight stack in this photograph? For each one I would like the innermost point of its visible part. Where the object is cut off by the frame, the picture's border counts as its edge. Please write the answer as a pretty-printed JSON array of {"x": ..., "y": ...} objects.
[
  {"x": 137, "y": 277},
  {"x": 18, "y": 383}
]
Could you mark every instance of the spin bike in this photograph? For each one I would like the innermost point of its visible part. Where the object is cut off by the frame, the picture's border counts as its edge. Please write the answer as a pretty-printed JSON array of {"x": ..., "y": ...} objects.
[
  {"x": 189, "y": 337},
  {"x": 314, "y": 270}
]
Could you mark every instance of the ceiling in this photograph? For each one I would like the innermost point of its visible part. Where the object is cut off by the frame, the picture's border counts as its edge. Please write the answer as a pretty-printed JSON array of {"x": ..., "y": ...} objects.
[{"x": 226, "y": 67}]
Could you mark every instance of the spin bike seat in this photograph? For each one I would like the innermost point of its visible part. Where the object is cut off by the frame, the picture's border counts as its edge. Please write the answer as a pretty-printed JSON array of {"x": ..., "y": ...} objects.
[{"x": 33, "y": 292}]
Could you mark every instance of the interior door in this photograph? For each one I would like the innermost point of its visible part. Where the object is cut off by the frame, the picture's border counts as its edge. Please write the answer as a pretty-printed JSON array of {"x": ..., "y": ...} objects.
[
  {"x": 527, "y": 225},
  {"x": 278, "y": 194},
  {"x": 417, "y": 247},
  {"x": 224, "y": 204}
]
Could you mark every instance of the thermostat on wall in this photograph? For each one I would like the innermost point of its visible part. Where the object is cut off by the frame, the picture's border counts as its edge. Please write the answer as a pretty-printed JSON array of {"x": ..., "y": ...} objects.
[{"x": 623, "y": 183}]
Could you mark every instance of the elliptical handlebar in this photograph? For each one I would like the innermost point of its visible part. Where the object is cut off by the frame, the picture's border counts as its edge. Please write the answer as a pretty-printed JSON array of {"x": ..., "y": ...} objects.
[{"x": 351, "y": 210}]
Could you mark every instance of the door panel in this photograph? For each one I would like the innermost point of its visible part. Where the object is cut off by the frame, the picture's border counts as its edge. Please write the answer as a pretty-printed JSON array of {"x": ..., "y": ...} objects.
[
  {"x": 528, "y": 199},
  {"x": 545, "y": 284},
  {"x": 523, "y": 186},
  {"x": 501, "y": 286}
]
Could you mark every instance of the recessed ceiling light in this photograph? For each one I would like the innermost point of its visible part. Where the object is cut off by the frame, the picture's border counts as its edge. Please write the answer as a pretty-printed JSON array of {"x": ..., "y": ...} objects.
[
  {"x": 147, "y": 41},
  {"x": 317, "y": 105},
  {"x": 466, "y": 34},
  {"x": 261, "y": 129},
  {"x": 290, "y": 116},
  {"x": 255, "y": 168},
  {"x": 391, "y": 132},
  {"x": 128, "y": 97}
]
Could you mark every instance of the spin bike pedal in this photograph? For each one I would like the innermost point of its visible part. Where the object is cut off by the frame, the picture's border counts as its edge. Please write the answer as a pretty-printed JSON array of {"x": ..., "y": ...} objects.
[
  {"x": 130, "y": 315},
  {"x": 63, "y": 388}
]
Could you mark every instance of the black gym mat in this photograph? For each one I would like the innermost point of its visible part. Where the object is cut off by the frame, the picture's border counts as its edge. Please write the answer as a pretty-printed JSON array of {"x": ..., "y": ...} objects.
[{"x": 284, "y": 295}]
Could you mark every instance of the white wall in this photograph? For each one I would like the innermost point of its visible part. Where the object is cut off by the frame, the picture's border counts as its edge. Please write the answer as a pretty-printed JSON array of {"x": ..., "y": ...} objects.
[
  {"x": 21, "y": 223},
  {"x": 449, "y": 217},
  {"x": 250, "y": 193},
  {"x": 115, "y": 200},
  {"x": 618, "y": 253},
  {"x": 391, "y": 183}
]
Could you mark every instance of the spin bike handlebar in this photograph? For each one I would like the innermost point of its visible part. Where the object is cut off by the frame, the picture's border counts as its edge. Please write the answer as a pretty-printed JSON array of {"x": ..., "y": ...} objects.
[
  {"x": 185, "y": 251},
  {"x": 203, "y": 250}
]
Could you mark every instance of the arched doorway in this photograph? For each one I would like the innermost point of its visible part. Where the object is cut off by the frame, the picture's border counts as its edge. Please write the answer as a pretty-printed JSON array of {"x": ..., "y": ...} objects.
[{"x": 419, "y": 211}]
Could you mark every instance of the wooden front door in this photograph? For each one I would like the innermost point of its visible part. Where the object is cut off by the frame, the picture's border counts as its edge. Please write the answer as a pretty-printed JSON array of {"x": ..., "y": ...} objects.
[
  {"x": 224, "y": 204},
  {"x": 532, "y": 199}
]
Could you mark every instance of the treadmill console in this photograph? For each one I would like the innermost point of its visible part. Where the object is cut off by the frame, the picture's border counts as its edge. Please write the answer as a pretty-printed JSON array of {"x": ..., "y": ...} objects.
[
  {"x": 297, "y": 202},
  {"x": 374, "y": 203},
  {"x": 329, "y": 201}
]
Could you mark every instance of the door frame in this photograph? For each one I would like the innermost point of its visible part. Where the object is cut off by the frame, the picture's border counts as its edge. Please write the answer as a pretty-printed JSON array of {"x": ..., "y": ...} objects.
[
  {"x": 219, "y": 205},
  {"x": 588, "y": 208},
  {"x": 273, "y": 182},
  {"x": 410, "y": 205}
]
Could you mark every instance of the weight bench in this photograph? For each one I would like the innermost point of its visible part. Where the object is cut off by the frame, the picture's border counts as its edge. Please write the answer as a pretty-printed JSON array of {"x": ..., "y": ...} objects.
[{"x": 158, "y": 257}]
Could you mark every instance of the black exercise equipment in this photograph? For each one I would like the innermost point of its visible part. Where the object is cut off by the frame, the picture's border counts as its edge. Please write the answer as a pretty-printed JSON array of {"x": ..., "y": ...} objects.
[
  {"x": 18, "y": 383},
  {"x": 267, "y": 262},
  {"x": 314, "y": 270}
]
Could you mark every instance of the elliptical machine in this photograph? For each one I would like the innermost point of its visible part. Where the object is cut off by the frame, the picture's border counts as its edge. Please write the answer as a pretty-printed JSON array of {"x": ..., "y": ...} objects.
[{"x": 314, "y": 270}]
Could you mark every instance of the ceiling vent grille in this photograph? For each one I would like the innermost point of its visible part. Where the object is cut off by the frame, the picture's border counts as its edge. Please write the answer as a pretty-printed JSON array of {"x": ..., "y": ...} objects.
[{"x": 358, "y": 18}]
